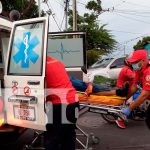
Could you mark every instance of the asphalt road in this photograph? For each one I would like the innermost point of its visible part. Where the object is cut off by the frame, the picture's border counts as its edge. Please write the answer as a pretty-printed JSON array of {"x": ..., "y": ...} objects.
[{"x": 135, "y": 137}]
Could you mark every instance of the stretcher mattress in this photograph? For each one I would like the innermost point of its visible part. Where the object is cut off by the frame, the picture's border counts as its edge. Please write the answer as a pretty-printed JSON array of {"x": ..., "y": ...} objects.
[{"x": 95, "y": 99}]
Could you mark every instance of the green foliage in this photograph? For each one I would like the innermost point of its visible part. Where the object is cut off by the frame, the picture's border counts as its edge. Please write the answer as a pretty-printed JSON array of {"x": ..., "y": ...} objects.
[
  {"x": 95, "y": 6},
  {"x": 98, "y": 38},
  {"x": 92, "y": 57},
  {"x": 104, "y": 80},
  {"x": 27, "y": 8},
  {"x": 141, "y": 43}
]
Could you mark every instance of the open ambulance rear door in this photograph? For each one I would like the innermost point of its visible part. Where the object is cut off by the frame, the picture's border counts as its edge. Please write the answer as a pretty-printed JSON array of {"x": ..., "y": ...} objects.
[{"x": 25, "y": 74}]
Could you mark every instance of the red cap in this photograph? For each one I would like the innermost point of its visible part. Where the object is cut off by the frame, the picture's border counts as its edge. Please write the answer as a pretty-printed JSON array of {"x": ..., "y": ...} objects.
[{"x": 138, "y": 55}]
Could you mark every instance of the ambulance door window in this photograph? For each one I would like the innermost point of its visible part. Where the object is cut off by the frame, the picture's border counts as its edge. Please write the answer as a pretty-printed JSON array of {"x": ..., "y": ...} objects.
[
  {"x": 4, "y": 42},
  {"x": 26, "y": 50}
]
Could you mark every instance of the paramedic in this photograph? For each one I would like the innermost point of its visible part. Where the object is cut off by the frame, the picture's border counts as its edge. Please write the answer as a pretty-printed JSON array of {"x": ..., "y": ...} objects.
[
  {"x": 60, "y": 135},
  {"x": 140, "y": 63},
  {"x": 126, "y": 76}
]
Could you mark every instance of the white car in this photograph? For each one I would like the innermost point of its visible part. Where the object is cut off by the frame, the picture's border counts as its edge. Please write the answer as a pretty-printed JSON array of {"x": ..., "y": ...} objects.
[{"x": 108, "y": 67}]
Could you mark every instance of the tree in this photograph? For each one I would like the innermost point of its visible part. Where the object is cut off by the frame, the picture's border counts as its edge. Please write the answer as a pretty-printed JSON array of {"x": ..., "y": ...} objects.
[
  {"x": 27, "y": 8},
  {"x": 141, "y": 43},
  {"x": 98, "y": 38}
]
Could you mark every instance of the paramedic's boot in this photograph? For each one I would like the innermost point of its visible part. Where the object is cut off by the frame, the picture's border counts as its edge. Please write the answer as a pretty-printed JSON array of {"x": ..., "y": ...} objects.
[
  {"x": 89, "y": 89},
  {"x": 120, "y": 123}
]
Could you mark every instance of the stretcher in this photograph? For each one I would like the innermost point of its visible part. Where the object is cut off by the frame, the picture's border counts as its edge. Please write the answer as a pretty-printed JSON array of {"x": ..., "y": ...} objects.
[
  {"x": 106, "y": 100},
  {"x": 108, "y": 106}
]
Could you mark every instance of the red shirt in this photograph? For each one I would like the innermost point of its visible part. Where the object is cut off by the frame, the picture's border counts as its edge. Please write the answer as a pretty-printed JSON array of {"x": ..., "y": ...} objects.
[
  {"x": 143, "y": 76},
  {"x": 126, "y": 74},
  {"x": 59, "y": 87}
]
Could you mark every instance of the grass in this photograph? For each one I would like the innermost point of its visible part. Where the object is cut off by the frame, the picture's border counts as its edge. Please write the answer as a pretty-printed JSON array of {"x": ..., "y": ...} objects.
[{"x": 104, "y": 80}]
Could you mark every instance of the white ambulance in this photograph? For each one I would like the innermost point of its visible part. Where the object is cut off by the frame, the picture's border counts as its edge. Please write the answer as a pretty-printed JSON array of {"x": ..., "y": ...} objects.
[{"x": 24, "y": 77}]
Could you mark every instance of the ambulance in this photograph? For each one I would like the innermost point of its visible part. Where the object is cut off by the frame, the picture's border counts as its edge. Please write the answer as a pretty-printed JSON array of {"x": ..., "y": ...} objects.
[{"x": 24, "y": 48}]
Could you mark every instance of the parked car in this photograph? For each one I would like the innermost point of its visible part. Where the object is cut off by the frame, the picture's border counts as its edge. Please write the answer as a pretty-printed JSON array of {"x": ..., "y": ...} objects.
[{"x": 108, "y": 67}]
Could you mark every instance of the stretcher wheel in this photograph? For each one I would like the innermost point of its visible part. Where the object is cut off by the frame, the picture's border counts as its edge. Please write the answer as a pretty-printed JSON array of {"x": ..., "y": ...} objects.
[
  {"x": 108, "y": 117},
  {"x": 94, "y": 139},
  {"x": 25, "y": 147}
]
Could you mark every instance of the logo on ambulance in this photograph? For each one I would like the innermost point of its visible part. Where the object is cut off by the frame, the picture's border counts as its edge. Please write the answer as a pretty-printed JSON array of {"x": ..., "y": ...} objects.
[{"x": 26, "y": 52}]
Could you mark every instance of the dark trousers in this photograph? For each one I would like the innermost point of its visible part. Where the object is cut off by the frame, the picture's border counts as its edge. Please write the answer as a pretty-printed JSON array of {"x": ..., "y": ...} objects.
[
  {"x": 80, "y": 85},
  {"x": 60, "y": 136}
]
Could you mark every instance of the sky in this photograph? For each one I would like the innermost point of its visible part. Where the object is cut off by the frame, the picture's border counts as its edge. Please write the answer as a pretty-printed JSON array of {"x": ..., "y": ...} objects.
[{"x": 127, "y": 20}]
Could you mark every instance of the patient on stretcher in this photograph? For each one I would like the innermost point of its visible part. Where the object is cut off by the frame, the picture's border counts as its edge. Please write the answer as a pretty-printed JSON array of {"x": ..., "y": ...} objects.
[
  {"x": 90, "y": 88},
  {"x": 97, "y": 94}
]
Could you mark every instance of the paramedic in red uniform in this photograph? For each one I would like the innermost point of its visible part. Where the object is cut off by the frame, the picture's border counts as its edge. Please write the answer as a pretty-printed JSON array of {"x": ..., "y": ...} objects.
[
  {"x": 126, "y": 76},
  {"x": 140, "y": 63},
  {"x": 59, "y": 135}
]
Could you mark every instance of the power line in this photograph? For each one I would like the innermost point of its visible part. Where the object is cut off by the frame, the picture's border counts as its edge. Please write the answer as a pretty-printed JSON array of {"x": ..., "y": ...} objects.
[
  {"x": 137, "y": 4},
  {"x": 50, "y": 13},
  {"x": 133, "y": 39},
  {"x": 133, "y": 19},
  {"x": 81, "y": 3},
  {"x": 59, "y": 3},
  {"x": 126, "y": 10},
  {"x": 62, "y": 21},
  {"x": 125, "y": 32},
  {"x": 128, "y": 13}
]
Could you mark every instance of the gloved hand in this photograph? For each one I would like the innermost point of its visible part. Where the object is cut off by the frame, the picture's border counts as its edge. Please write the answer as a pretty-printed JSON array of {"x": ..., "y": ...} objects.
[{"x": 126, "y": 111}]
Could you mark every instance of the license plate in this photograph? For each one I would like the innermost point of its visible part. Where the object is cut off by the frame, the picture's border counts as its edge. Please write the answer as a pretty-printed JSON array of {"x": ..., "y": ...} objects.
[{"x": 24, "y": 112}]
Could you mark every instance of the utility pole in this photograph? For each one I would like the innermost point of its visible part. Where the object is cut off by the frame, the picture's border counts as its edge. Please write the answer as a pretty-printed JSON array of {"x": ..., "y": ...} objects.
[
  {"x": 74, "y": 15},
  {"x": 66, "y": 14}
]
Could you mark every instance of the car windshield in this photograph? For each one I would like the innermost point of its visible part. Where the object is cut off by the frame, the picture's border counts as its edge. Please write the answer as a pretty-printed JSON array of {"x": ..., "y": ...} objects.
[{"x": 101, "y": 63}]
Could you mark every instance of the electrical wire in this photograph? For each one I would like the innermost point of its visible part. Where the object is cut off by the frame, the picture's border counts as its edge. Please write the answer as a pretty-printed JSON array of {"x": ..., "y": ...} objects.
[
  {"x": 81, "y": 3},
  {"x": 62, "y": 21},
  {"x": 130, "y": 11},
  {"x": 133, "y": 39},
  {"x": 130, "y": 18},
  {"x": 134, "y": 14},
  {"x": 52, "y": 15},
  {"x": 137, "y": 4},
  {"x": 59, "y": 3},
  {"x": 125, "y": 32}
]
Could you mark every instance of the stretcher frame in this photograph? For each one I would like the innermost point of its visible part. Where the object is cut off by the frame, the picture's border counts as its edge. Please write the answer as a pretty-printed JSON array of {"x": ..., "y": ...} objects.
[
  {"x": 104, "y": 109},
  {"x": 38, "y": 135}
]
